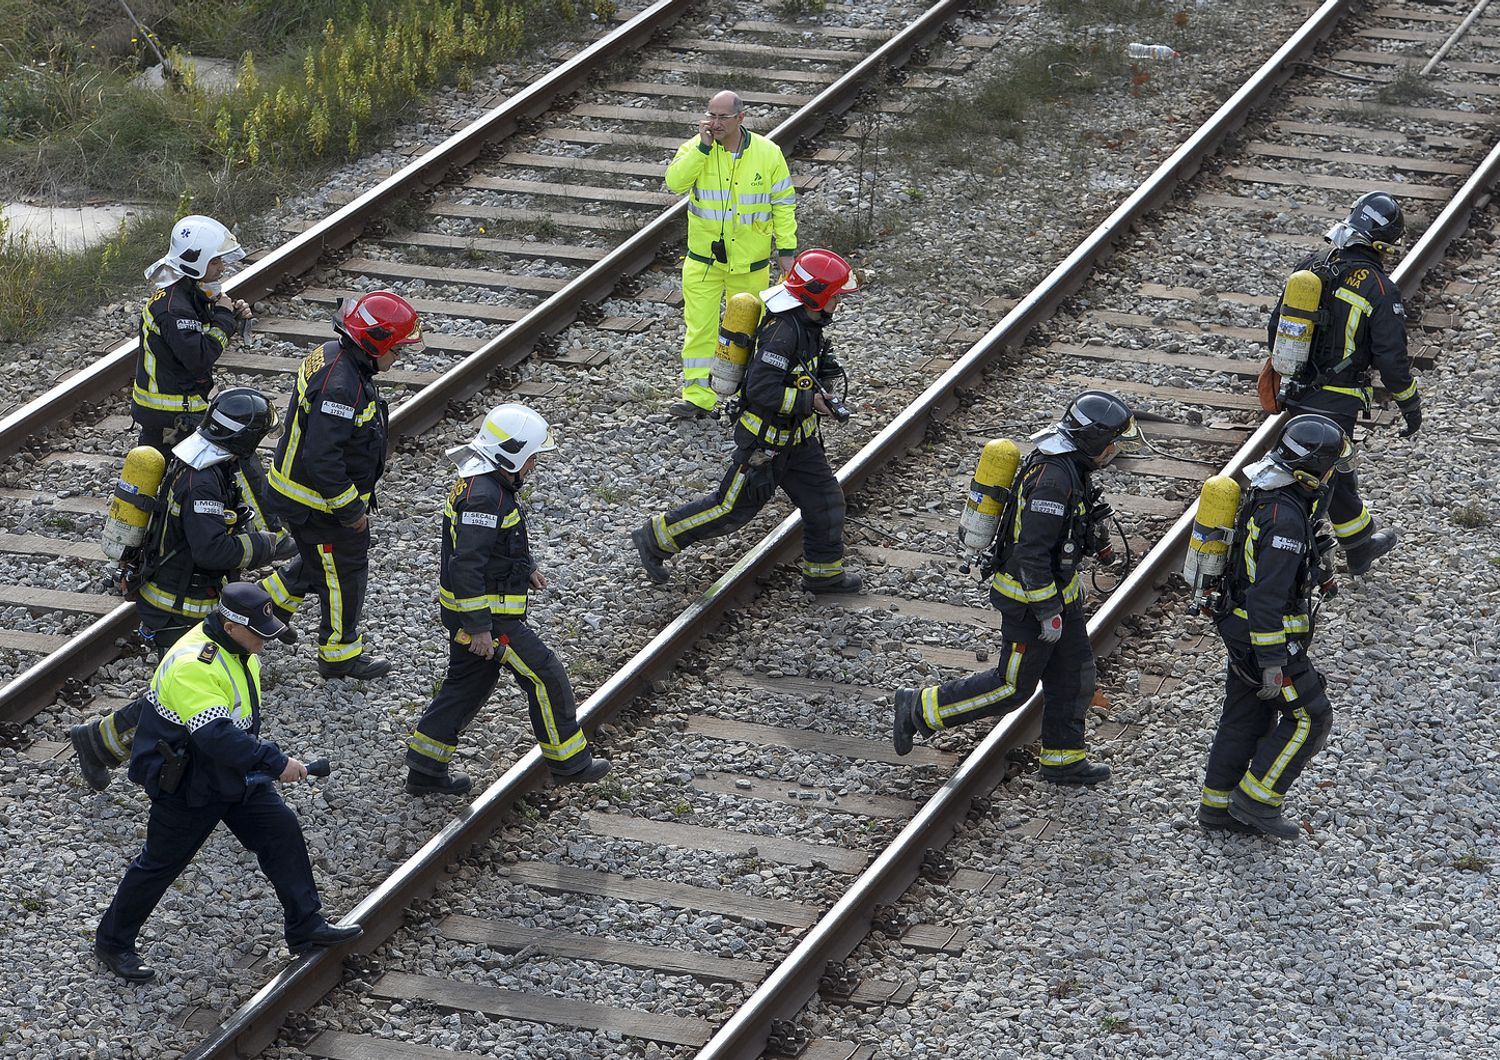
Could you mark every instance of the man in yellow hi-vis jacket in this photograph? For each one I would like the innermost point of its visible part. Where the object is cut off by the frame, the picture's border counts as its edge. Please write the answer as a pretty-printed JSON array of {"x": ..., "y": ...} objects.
[{"x": 740, "y": 194}]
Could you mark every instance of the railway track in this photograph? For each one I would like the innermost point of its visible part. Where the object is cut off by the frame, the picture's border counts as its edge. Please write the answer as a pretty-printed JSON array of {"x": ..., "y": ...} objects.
[{"x": 868, "y": 843}]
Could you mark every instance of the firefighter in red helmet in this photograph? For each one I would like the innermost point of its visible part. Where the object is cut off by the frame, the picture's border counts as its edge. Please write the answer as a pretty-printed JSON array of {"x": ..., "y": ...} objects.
[
  {"x": 327, "y": 464},
  {"x": 786, "y": 390}
]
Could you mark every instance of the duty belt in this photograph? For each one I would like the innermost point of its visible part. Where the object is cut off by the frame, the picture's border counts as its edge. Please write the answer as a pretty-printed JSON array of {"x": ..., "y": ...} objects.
[{"x": 755, "y": 266}]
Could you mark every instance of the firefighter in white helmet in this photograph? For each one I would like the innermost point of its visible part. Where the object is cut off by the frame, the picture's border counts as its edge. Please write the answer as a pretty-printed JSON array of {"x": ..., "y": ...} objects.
[{"x": 485, "y": 576}]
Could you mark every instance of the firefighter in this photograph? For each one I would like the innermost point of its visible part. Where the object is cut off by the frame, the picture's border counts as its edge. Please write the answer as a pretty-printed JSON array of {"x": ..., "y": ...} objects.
[
  {"x": 1276, "y": 712},
  {"x": 1365, "y": 328},
  {"x": 202, "y": 537},
  {"x": 485, "y": 575},
  {"x": 326, "y": 467},
  {"x": 740, "y": 194},
  {"x": 200, "y": 758},
  {"x": 1055, "y": 518},
  {"x": 784, "y": 393}
]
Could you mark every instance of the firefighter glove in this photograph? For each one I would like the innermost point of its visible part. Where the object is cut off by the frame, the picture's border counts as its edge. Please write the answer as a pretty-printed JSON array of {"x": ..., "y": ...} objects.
[
  {"x": 1052, "y": 628},
  {"x": 1413, "y": 422},
  {"x": 1272, "y": 681}
]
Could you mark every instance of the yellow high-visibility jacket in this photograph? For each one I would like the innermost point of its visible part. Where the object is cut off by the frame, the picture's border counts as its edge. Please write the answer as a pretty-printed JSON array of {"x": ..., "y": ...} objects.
[{"x": 744, "y": 199}]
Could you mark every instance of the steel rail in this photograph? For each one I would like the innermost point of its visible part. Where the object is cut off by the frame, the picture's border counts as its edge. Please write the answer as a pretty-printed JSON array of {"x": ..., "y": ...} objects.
[
  {"x": 795, "y": 980},
  {"x": 305, "y": 981},
  {"x": 112, "y": 371}
]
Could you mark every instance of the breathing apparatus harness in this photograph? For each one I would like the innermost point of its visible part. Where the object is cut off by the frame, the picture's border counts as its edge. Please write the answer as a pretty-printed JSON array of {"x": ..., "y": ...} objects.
[{"x": 1324, "y": 362}]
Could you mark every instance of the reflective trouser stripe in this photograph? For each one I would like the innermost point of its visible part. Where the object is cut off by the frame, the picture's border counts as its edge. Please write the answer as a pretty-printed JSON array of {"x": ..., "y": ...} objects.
[
  {"x": 1059, "y": 757},
  {"x": 666, "y": 536},
  {"x": 1262, "y": 789},
  {"x": 336, "y": 649},
  {"x": 554, "y": 748},
  {"x": 1217, "y": 798},
  {"x": 280, "y": 595},
  {"x": 192, "y": 606},
  {"x": 831, "y": 569},
  {"x": 1353, "y": 526},
  {"x": 937, "y": 717},
  {"x": 427, "y": 747},
  {"x": 704, "y": 288},
  {"x": 118, "y": 743}
]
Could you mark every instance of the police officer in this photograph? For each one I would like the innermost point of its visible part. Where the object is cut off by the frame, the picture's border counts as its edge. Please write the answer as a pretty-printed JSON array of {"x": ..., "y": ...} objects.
[
  {"x": 776, "y": 440},
  {"x": 203, "y": 536},
  {"x": 199, "y": 755},
  {"x": 185, "y": 327},
  {"x": 1276, "y": 712},
  {"x": 485, "y": 575},
  {"x": 326, "y": 467},
  {"x": 740, "y": 194},
  {"x": 1365, "y": 328},
  {"x": 1056, "y": 518}
]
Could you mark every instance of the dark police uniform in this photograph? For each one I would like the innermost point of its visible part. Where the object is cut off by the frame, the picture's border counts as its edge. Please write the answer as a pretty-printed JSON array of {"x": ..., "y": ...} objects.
[
  {"x": 1037, "y": 556},
  {"x": 1366, "y": 330},
  {"x": 205, "y": 700},
  {"x": 776, "y": 444},
  {"x": 205, "y": 540},
  {"x": 183, "y": 335},
  {"x": 484, "y": 577},
  {"x": 322, "y": 481},
  {"x": 1268, "y": 623}
]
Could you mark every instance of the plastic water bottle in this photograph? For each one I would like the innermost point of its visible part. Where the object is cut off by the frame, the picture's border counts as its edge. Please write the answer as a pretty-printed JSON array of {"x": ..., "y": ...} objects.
[{"x": 1150, "y": 51}]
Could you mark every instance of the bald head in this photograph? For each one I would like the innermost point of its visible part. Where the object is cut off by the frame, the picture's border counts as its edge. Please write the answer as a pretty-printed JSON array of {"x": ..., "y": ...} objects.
[
  {"x": 721, "y": 123},
  {"x": 726, "y": 102}
]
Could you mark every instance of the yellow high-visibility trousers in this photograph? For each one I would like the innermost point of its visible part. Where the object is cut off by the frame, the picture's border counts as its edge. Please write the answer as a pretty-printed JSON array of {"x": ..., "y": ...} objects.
[{"x": 705, "y": 285}]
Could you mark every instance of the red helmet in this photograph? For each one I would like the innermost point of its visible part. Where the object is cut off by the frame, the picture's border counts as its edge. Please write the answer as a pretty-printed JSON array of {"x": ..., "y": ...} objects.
[
  {"x": 379, "y": 322},
  {"x": 817, "y": 275}
]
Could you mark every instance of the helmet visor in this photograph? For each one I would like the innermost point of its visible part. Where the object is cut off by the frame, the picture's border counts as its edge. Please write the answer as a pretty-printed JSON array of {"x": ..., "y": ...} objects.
[
  {"x": 1130, "y": 441},
  {"x": 414, "y": 342},
  {"x": 1348, "y": 459}
]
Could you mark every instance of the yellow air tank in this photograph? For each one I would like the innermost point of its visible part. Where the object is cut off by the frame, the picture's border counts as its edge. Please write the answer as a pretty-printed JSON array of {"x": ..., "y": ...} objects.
[
  {"x": 1208, "y": 549},
  {"x": 987, "y": 492},
  {"x": 1298, "y": 321},
  {"x": 736, "y": 334},
  {"x": 134, "y": 497}
]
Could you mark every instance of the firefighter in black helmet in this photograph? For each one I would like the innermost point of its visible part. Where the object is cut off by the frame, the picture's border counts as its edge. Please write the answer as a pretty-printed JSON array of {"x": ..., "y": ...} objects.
[
  {"x": 1364, "y": 330},
  {"x": 1276, "y": 711},
  {"x": 1054, "y": 520},
  {"x": 203, "y": 537}
]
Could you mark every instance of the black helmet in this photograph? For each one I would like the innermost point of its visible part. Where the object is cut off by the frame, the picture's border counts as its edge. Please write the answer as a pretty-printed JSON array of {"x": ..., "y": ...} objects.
[
  {"x": 1311, "y": 447},
  {"x": 237, "y": 419},
  {"x": 1377, "y": 218},
  {"x": 1098, "y": 419}
]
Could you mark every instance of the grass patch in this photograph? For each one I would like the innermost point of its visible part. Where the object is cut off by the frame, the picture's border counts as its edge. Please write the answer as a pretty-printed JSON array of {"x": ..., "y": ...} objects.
[
  {"x": 1471, "y": 516},
  {"x": 1471, "y": 863},
  {"x": 315, "y": 82},
  {"x": 799, "y": 8},
  {"x": 1404, "y": 89}
]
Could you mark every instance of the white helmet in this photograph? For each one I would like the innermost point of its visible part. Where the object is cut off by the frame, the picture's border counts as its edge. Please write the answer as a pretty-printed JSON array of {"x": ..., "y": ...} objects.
[
  {"x": 196, "y": 241},
  {"x": 509, "y": 436}
]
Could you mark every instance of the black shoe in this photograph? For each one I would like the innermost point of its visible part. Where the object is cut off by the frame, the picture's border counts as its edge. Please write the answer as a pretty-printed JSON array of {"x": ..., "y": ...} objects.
[
  {"x": 904, "y": 725},
  {"x": 419, "y": 783},
  {"x": 1262, "y": 818},
  {"x": 327, "y": 935},
  {"x": 1363, "y": 555},
  {"x": 595, "y": 770},
  {"x": 287, "y": 636},
  {"x": 285, "y": 548},
  {"x": 656, "y": 570},
  {"x": 684, "y": 409},
  {"x": 361, "y": 668},
  {"x": 126, "y": 964},
  {"x": 843, "y": 582},
  {"x": 1080, "y": 772},
  {"x": 93, "y": 765},
  {"x": 1217, "y": 819}
]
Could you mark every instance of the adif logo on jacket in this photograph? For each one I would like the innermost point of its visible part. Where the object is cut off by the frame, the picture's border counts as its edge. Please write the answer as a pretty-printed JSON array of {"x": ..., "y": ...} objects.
[
  {"x": 184, "y": 324},
  {"x": 1288, "y": 543}
]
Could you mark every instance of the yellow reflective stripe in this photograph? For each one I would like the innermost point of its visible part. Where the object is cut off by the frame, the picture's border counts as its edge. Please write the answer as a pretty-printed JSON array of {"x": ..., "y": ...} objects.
[
  {"x": 1008, "y": 586},
  {"x": 1215, "y": 797},
  {"x": 312, "y": 498},
  {"x": 1266, "y": 639},
  {"x": 1364, "y": 393},
  {"x": 280, "y": 595},
  {"x": 511, "y": 518},
  {"x": 192, "y": 607},
  {"x": 365, "y": 415},
  {"x": 336, "y": 649},
  {"x": 1059, "y": 757},
  {"x": 788, "y": 400},
  {"x": 1353, "y": 526},
  {"x": 554, "y": 747},
  {"x": 822, "y": 570},
  {"x": 937, "y": 716},
  {"x": 712, "y": 194},
  {"x": 427, "y": 747},
  {"x": 496, "y": 603},
  {"x": 117, "y": 743},
  {"x": 152, "y": 399},
  {"x": 666, "y": 535},
  {"x": 708, "y": 215},
  {"x": 1402, "y": 395}
]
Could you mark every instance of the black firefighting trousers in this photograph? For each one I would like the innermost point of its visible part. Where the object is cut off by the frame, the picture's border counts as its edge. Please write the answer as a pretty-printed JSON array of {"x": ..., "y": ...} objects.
[
  {"x": 466, "y": 688},
  {"x": 801, "y": 471},
  {"x": 1065, "y": 671},
  {"x": 333, "y": 563},
  {"x": 1262, "y": 745}
]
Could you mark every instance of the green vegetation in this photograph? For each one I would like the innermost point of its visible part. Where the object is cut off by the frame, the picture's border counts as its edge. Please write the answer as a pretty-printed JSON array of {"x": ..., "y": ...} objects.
[
  {"x": 1471, "y": 863},
  {"x": 314, "y": 83},
  {"x": 1407, "y": 87},
  {"x": 798, "y": 8},
  {"x": 1471, "y": 516}
]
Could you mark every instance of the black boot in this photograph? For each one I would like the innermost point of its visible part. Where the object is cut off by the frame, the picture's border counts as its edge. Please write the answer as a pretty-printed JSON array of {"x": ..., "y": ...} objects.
[
  {"x": 1363, "y": 555},
  {"x": 445, "y": 783},
  {"x": 595, "y": 770},
  {"x": 127, "y": 964},
  {"x": 1262, "y": 818},
  {"x": 904, "y": 725},
  {"x": 92, "y": 763},
  {"x": 361, "y": 668},
  {"x": 327, "y": 935},
  {"x": 1081, "y": 772},
  {"x": 651, "y": 556},
  {"x": 1217, "y": 819},
  {"x": 843, "y": 582}
]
